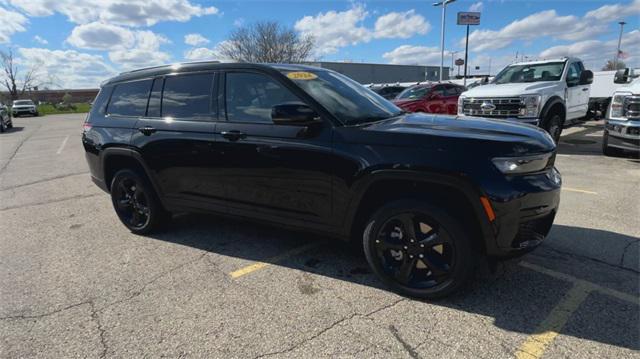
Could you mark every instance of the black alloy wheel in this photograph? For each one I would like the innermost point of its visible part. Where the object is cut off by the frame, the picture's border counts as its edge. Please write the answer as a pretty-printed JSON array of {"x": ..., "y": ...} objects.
[
  {"x": 418, "y": 250},
  {"x": 553, "y": 125},
  {"x": 136, "y": 203}
]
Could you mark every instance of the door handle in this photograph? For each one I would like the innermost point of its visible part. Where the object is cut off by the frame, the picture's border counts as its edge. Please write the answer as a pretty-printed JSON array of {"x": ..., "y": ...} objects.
[
  {"x": 585, "y": 89},
  {"x": 147, "y": 130},
  {"x": 233, "y": 135}
]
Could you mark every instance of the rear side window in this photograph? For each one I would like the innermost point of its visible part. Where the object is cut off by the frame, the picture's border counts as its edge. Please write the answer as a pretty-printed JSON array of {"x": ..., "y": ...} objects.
[
  {"x": 129, "y": 99},
  {"x": 188, "y": 96}
]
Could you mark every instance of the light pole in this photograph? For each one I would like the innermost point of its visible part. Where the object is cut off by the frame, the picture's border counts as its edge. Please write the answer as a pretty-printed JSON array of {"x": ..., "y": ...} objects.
[
  {"x": 444, "y": 12},
  {"x": 615, "y": 61}
]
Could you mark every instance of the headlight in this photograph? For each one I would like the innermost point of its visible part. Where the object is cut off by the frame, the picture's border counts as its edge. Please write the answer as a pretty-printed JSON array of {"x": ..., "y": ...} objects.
[
  {"x": 460, "y": 105},
  {"x": 617, "y": 106},
  {"x": 522, "y": 165},
  {"x": 530, "y": 106}
]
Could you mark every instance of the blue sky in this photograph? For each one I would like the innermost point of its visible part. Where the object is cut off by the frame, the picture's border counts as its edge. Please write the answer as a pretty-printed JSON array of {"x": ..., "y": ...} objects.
[{"x": 78, "y": 43}]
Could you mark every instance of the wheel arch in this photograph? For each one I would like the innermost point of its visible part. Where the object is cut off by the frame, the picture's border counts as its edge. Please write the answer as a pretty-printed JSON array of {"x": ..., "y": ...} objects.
[
  {"x": 555, "y": 103},
  {"x": 456, "y": 194}
]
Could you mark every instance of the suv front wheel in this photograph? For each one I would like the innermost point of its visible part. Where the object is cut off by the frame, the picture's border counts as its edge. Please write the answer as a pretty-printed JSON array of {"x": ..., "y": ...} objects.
[
  {"x": 136, "y": 203},
  {"x": 418, "y": 250}
]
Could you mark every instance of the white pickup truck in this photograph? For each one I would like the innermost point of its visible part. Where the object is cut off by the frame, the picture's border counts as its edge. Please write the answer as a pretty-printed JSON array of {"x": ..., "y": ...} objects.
[
  {"x": 622, "y": 126},
  {"x": 544, "y": 93}
]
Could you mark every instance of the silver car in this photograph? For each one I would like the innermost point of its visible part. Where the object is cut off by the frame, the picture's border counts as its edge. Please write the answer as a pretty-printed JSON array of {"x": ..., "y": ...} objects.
[{"x": 24, "y": 107}]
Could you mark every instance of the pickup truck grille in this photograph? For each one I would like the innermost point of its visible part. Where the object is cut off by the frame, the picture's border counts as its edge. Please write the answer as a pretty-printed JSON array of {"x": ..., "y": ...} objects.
[
  {"x": 632, "y": 106},
  {"x": 503, "y": 106}
]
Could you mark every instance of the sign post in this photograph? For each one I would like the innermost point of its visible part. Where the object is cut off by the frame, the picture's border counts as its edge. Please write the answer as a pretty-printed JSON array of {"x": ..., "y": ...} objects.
[{"x": 467, "y": 18}]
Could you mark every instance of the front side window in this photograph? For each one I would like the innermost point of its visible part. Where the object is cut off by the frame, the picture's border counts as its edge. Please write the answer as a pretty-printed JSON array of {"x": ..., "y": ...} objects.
[
  {"x": 250, "y": 97},
  {"x": 129, "y": 99},
  {"x": 573, "y": 76},
  {"x": 187, "y": 96}
]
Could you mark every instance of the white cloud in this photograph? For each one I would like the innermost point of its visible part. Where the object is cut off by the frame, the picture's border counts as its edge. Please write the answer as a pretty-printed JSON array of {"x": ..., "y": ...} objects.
[
  {"x": 10, "y": 23},
  {"x": 608, "y": 13},
  {"x": 99, "y": 36},
  {"x": 415, "y": 55},
  {"x": 204, "y": 54},
  {"x": 40, "y": 40},
  {"x": 72, "y": 69},
  {"x": 595, "y": 53},
  {"x": 401, "y": 25},
  {"x": 130, "y": 12},
  {"x": 195, "y": 39},
  {"x": 145, "y": 51},
  {"x": 476, "y": 6},
  {"x": 335, "y": 29}
]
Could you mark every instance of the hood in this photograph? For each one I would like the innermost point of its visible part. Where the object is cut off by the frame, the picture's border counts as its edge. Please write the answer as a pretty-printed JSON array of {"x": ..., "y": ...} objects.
[
  {"x": 512, "y": 89},
  {"x": 452, "y": 131},
  {"x": 405, "y": 102}
]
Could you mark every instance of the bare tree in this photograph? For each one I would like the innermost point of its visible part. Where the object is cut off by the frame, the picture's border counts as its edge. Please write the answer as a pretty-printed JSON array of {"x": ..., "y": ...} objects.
[
  {"x": 15, "y": 83},
  {"x": 611, "y": 65},
  {"x": 267, "y": 41}
]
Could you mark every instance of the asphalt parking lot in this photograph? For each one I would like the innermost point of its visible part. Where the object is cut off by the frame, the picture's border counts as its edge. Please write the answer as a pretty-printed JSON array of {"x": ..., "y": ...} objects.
[{"x": 75, "y": 283}]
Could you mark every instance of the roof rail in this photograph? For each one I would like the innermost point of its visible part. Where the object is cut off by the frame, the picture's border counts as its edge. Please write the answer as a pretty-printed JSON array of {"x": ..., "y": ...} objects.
[{"x": 166, "y": 65}]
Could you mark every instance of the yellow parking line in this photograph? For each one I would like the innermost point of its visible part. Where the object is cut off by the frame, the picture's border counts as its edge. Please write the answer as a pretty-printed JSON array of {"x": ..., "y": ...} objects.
[
  {"x": 550, "y": 327},
  {"x": 260, "y": 265},
  {"x": 578, "y": 190},
  {"x": 548, "y": 330}
]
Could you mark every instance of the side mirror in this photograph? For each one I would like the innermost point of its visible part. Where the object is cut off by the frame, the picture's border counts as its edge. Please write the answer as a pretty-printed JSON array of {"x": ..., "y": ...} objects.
[
  {"x": 621, "y": 76},
  {"x": 586, "y": 77},
  {"x": 294, "y": 114}
]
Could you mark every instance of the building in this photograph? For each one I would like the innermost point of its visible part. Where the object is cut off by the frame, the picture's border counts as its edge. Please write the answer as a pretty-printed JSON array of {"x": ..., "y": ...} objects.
[
  {"x": 384, "y": 73},
  {"x": 55, "y": 96}
]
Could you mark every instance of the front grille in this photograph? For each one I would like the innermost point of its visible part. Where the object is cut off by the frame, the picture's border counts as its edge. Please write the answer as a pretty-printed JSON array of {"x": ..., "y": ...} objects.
[
  {"x": 632, "y": 107},
  {"x": 504, "y": 106}
]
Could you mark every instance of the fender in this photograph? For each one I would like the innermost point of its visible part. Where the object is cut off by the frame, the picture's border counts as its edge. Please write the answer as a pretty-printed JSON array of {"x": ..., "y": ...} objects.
[
  {"x": 553, "y": 100},
  {"x": 456, "y": 183},
  {"x": 136, "y": 156}
]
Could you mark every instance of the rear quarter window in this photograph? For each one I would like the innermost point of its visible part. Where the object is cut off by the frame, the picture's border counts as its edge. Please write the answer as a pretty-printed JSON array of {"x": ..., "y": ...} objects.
[
  {"x": 129, "y": 99},
  {"x": 100, "y": 103}
]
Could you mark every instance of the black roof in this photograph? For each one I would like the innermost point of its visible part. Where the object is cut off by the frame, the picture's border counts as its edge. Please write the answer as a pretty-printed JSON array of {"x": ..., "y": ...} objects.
[{"x": 203, "y": 66}]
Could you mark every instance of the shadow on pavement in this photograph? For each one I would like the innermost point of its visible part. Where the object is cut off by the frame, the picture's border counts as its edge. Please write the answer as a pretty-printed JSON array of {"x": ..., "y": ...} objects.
[
  {"x": 517, "y": 299},
  {"x": 14, "y": 129}
]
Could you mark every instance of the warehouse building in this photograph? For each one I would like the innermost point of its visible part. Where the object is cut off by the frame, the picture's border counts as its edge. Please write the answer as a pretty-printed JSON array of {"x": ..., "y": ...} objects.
[{"x": 384, "y": 73}]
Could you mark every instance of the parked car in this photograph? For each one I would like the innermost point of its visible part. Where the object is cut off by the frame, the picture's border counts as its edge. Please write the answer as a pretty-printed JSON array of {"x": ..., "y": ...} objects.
[
  {"x": 5, "y": 118},
  {"x": 310, "y": 149},
  {"x": 622, "y": 126},
  {"x": 543, "y": 93},
  {"x": 430, "y": 98},
  {"x": 389, "y": 92},
  {"x": 24, "y": 107}
]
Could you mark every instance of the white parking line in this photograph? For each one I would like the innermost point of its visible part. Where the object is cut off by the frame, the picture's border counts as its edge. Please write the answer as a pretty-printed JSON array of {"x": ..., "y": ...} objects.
[{"x": 64, "y": 142}]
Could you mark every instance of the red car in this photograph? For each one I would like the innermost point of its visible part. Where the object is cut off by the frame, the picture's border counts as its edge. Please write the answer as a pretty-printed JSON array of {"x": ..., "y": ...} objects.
[{"x": 430, "y": 98}]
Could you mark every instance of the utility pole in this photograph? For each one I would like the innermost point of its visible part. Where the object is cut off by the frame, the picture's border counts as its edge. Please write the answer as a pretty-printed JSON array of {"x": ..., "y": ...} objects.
[
  {"x": 466, "y": 57},
  {"x": 453, "y": 54},
  {"x": 444, "y": 12},
  {"x": 615, "y": 59}
]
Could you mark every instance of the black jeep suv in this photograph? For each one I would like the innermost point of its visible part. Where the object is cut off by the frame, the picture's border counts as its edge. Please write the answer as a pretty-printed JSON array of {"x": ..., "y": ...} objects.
[{"x": 311, "y": 149}]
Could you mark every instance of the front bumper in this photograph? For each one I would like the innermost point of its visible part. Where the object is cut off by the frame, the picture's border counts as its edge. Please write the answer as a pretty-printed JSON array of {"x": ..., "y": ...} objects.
[
  {"x": 529, "y": 121},
  {"x": 525, "y": 213},
  {"x": 25, "y": 111},
  {"x": 623, "y": 134}
]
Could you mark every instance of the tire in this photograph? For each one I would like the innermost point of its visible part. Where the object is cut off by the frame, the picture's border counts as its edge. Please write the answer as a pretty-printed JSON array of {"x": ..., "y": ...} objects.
[
  {"x": 553, "y": 125},
  {"x": 136, "y": 203},
  {"x": 438, "y": 262},
  {"x": 606, "y": 149},
  {"x": 2, "y": 126}
]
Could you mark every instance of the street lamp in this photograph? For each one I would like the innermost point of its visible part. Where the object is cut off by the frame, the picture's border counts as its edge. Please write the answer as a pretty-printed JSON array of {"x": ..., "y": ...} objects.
[
  {"x": 617, "y": 58},
  {"x": 444, "y": 11}
]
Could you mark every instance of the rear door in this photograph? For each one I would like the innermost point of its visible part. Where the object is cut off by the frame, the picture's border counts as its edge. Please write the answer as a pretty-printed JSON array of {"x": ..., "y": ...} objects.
[
  {"x": 176, "y": 138},
  {"x": 435, "y": 100},
  {"x": 451, "y": 94},
  {"x": 275, "y": 172}
]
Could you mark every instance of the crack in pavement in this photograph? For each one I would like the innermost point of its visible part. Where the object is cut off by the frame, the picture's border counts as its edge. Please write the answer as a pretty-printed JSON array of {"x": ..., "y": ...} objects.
[
  {"x": 101, "y": 330},
  {"x": 38, "y": 316},
  {"x": 43, "y": 180},
  {"x": 50, "y": 201},
  {"x": 578, "y": 256},
  {"x": 331, "y": 326},
  {"x": 18, "y": 148},
  {"x": 411, "y": 351}
]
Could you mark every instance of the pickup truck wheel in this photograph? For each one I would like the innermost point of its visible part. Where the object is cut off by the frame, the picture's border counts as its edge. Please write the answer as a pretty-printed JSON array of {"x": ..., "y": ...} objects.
[
  {"x": 553, "y": 125},
  {"x": 606, "y": 150},
  {"x": 418, "y": 250},
  {"x": 136, "y": 203}
]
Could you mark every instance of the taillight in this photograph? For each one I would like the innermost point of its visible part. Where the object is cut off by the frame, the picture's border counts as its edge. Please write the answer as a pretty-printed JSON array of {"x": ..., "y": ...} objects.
[{"x": 86, "y": 127}]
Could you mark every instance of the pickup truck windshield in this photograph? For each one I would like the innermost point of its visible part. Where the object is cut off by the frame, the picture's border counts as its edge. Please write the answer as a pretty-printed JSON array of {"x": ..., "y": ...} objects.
[
  {"x": 551, "y": 71},
  {"x": 413, "y": 93},
  {"x": 346, "y": 99}
]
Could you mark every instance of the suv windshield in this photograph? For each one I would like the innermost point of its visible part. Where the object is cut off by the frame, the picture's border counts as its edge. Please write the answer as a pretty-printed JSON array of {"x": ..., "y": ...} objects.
[
  {"x": 346, "y": 99},
  {"x": 413, "y": 93},
  {"x": 22, "y": 102},
  {"x": 551, "y": 71}
]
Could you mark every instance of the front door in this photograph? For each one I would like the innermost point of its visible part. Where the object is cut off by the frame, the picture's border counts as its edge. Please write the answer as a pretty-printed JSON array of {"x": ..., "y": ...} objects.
[
  {"x": 577, "y": 95},
  {"x": 275, "y": 172}
]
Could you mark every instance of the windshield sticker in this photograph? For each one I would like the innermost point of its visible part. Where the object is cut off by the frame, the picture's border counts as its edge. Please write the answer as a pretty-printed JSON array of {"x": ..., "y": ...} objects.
[{"x": 301, "y": 75}]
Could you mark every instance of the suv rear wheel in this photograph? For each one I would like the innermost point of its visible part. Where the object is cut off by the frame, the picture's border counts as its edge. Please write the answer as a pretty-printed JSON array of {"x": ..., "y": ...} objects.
[
  {"x": 418, "y": 250},
  {"x": 136, "y": 203}
]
